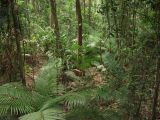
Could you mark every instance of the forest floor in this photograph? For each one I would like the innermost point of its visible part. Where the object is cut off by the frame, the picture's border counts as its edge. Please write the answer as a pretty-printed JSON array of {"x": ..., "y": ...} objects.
[
  {"x": 34, "y": 66},
  {"x": 33, "y": 69}
]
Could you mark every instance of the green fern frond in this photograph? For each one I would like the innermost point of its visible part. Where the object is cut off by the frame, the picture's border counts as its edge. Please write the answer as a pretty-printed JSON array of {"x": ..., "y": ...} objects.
[
  {"x": 8, "y": 117},
  {"x": 81, "y": 97},
  {"x": 14, "y": 89},
  {"x": 113, "y": 66},
  {"x": 75, "y": 100},
  {"x": 48, "y": 114},
  {"x": 72, "y": 99},
  {"x": 104, "y": 93},
  {"x": 15, "y": 99},
  {"x": 46, "y": 83},
  {"x": 111, "y": 114},
  {"x": 85, "y": 113},
  {"x": 121, "y": 95},
  {"x": 52, "y": 102}
]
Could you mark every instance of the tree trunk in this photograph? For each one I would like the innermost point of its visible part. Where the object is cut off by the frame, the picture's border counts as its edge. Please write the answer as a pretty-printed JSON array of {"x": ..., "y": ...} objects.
[
  {"x": 55, "y": 25},
  {"x": 79, "y": 19},
  {"x": 18, "y": 38},
  {"x": 115, "y": 23},
  {"x": 89, "y": 12},
  {"x": 84, "y": 7},
  {"x": 157, "y": 84}
]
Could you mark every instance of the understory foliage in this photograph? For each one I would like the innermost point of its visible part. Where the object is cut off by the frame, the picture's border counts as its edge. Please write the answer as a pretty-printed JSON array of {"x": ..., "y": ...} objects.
[
  {"x": 18, "y": 100},
  {"x": 86, "y": 101}
]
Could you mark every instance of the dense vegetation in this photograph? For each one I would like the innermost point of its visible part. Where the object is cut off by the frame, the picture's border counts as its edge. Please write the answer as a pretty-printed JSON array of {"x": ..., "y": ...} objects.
[{"x": 99, "y": 59}]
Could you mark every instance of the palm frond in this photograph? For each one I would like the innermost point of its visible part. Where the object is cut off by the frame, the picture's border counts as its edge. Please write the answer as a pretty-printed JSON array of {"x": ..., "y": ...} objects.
[
  {"x": 113, "y": 66},
  {"x": 48, "y": 114},
  {"x": 46, "y": 83},
  {"x": 15, "y": 99},
  {"x": 8, "y": 117},
  {"x": 104, "y": 93},
  {"x": 72, "y": 99},
  {"x": 85, "y": 113},
  {"x": 75, "y": 100},
  {"x": 111, "y": 114}
]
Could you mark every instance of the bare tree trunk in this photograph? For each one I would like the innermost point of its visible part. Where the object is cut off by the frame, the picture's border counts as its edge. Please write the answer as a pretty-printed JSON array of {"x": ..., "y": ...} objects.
[
  {"x": 157, "y": 84},
  {"x": 79, "y": 19},
  {"x": 55, "y": 25},
  {"x": 18, "y": 38},
  {"x": 156, "y": 91}
]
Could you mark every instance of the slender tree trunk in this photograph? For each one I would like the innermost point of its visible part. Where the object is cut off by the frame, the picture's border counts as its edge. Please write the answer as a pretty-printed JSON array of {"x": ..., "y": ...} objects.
[
  {"x": 156, "y": 91},
  {"x": 115, "y": 23},
  {"x": 18, "y": 38},
  {"x": 79, "y": 19},
  {"x": 55, "y": 25},
  {"x": 84, "y": 7},
  {"x": 157, "y": 84},
  {"x": 4, "y": 5},
  {"x": 89, "y": 12}
]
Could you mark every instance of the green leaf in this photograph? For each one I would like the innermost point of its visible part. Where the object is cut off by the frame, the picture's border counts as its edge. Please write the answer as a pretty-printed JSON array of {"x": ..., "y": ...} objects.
[{"x": 48, "y": 114}]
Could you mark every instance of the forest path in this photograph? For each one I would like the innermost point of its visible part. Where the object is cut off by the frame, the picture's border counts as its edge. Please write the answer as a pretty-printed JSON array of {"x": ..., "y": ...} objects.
[{"x": 33, "y": 68}]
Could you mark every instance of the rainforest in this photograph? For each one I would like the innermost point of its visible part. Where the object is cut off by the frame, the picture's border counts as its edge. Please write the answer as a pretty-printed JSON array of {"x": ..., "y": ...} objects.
[{"x": 79, "y": 60}]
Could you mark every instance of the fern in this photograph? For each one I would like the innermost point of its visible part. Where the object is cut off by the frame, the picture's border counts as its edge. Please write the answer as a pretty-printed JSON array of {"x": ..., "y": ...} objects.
[
  {"x": 42, "y": 103},
  {"x": 72, "y": 99},
  {"x": 46, "y": 83},
  {"x": 49, "y": 114},
  {"x": 113, "y": 66},
  {"x": 8, "y": 117},
  {"x": 111, "y": 114},
  {"x": 85, "y": 113},
  {"x": 15, "y": 99},
  {"x": 104, "y": 93},
  {"x": 75, "y": 100}
]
